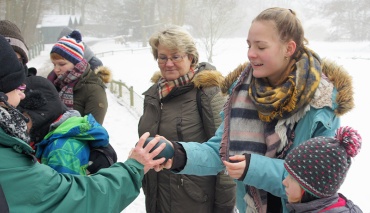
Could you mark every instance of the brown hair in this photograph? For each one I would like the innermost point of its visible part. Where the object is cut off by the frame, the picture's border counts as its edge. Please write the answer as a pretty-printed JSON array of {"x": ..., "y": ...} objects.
[
  {"x": 287, "y": 24},
  {"x": 56, "y": 56},
  {"x": 175, "y": 38}
]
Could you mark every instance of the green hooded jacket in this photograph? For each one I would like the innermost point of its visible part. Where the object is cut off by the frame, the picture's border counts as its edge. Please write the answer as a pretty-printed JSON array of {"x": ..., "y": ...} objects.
[{"x": 34, "y": 187}]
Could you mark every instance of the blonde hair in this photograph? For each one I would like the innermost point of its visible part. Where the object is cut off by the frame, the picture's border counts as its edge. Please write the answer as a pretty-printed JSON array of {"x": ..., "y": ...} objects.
[
  {"x": 175, "y": 38},
  {"x": 287, "y": 24}
]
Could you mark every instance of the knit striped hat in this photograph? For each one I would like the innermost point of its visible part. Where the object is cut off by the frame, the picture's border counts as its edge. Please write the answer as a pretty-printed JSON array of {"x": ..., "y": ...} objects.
[
  {"x": 70, "y": 47},
  {"x": 320, "y": 164}
]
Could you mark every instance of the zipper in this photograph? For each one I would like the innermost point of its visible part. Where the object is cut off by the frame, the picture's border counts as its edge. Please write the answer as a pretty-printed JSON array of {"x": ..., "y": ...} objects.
[{"x": 181, "y": 184}]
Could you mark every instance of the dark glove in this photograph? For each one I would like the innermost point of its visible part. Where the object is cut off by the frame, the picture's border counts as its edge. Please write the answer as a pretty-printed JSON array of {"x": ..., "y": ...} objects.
[{"x": 101, "y": 157}]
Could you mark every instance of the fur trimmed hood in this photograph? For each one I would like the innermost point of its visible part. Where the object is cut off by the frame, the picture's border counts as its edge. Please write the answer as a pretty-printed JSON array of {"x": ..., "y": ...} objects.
[
  {"x": 204, "y": 78},
  {"x": 104, "y": 73},
  {"x": 340, "y": 78}
]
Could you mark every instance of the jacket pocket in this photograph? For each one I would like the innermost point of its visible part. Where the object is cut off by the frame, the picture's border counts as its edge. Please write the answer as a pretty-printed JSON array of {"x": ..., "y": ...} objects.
[{"x": 193, "y": 190}]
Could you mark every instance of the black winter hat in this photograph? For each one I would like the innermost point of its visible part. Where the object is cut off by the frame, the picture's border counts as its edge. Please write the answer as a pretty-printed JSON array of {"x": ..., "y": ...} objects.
[
  {"x": 320, "y": 164},
  {"x": 14, "y": 36},
  {"x": 12, "y": 73},
  {"x": 42, "y": 104}
]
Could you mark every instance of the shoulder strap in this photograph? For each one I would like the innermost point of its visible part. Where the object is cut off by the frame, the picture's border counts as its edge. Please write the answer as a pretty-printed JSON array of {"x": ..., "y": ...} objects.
[{"x": 199, "y": 104}]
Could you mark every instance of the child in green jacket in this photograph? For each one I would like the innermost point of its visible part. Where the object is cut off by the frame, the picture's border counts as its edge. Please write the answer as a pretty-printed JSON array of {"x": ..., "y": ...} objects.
[
  {"x": 29, "y": 186},
  {"x": 62, "y": 138}
]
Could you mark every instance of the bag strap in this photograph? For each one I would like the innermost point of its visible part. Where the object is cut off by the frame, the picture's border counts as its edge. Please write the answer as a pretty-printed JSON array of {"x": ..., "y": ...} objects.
[
  {"x": 199, "y": 104},
  {"x": 106, "y": 154}
]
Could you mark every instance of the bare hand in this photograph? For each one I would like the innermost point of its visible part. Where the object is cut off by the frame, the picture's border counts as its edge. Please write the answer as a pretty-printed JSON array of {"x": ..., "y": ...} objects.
[
  {"x": 160, "y": 167},
  {"x": 144, "y": 156},
  {"x": 235, "y": 169}
]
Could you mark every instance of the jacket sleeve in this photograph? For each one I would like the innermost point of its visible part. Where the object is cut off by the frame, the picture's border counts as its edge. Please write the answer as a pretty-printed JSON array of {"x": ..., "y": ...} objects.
[
  {"x": 321, "y": 122},
  {"x": 203, "y": 158},
  {"x": 110, "y": 190},
  {"x": 267, "y": 174},
  {"x": 212, "y": 103}
]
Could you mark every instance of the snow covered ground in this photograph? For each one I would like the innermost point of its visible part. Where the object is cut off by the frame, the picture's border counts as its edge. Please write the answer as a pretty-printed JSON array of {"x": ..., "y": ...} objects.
[{"x": 135, "y": 66}]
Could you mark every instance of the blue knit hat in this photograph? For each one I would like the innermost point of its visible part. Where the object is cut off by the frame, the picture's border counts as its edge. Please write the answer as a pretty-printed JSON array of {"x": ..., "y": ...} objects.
[
  {"x": 70, "y": 47},
  {"x": 320, "y": 164}
]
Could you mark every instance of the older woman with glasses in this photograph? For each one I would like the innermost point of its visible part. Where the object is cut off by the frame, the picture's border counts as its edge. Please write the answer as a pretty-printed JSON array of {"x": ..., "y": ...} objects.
[{"x": 183, "y": 104}]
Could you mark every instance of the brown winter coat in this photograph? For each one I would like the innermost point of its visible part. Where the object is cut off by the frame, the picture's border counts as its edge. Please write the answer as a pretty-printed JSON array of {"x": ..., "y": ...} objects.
[
  {"x": 178, "y": 119},
  {"x": 89, "y": 93}
]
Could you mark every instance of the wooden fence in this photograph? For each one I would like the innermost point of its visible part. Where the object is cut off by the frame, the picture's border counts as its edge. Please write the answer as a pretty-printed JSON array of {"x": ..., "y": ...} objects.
[
  {"x": 132, "y": 51},
  {"x": 35, "y": 49},
  {"x": 127, "y": 95},
  {"x": 117, "y": 87}
]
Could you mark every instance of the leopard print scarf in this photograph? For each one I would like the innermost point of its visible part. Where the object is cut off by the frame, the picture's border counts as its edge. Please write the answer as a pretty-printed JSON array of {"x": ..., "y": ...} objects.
[{"x": 13, "y": 124}]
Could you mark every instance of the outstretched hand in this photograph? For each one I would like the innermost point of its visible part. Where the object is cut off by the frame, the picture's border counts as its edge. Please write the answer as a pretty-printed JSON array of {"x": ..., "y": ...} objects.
[
  {"x": 235, "y": 168},
  {"x": 144, "y": 156}
]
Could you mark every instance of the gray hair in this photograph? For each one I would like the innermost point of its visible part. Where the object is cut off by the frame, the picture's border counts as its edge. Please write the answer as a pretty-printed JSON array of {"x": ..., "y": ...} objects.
[{"x": 175, "y": 38}]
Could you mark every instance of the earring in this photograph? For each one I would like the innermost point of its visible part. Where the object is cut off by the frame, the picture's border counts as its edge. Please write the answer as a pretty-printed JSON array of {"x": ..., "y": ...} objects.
[{"x": 286, "y": 58}]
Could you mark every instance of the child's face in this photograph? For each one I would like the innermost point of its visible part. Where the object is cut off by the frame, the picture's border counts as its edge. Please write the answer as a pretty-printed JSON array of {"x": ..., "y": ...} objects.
[
  {"x": 61, "y": 66},
  {"x": 293, "y": 190},
  {"x": 15, "y": 96}
]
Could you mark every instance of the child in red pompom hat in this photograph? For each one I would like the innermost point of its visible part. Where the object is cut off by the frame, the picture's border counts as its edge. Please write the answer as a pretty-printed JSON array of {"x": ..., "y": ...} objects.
[{"x": 317, "y": 168}]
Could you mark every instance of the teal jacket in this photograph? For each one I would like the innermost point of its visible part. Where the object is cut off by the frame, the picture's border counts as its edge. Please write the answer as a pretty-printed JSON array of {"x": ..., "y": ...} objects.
[
  {"x": 66, "y": 148},
  {"x": 32, "y": 187},
  {"x": 268, "y": 173}
]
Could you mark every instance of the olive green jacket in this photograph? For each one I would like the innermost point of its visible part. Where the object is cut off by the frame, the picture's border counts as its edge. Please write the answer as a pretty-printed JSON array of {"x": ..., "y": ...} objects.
[
  {"x": 89, "y": 94},
  {"x": 177, "y": 118}
]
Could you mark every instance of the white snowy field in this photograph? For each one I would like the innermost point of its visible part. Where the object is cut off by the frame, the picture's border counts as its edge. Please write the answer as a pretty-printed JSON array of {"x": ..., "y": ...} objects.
[{"x": 135, "y": 68}]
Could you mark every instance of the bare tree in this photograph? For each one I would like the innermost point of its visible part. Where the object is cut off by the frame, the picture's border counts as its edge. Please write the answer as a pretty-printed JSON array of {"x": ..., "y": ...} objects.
[
  {"x": 25, "y": 14},
  {"x": 214, "y": 19},
  {"x": 349, "y": 18},
  {"x": 171, "y": 12}
]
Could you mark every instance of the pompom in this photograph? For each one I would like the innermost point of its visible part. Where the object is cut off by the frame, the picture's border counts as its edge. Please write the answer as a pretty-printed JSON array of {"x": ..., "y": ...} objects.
[
  {"x": 350, "y": 139},
  {"x": 34, "y": 100},
  {"x": 76, "y": 35}
]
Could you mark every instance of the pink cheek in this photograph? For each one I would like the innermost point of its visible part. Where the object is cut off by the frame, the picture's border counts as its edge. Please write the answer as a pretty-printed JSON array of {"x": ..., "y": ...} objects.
[{"x": 22, "y": 95}]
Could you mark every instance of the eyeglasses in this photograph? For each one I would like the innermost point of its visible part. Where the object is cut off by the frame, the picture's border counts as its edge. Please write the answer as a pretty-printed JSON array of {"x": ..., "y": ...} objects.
[
  {"x": 174, "y": 59},
  {"x": 22, "y": 87}
]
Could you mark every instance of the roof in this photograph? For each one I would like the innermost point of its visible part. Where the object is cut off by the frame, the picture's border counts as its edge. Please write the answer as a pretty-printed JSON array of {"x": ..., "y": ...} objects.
[{"x": 59, "y": 20}]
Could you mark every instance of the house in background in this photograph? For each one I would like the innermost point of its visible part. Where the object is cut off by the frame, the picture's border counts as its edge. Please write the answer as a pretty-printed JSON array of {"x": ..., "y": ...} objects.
[{"x": 51, "y": 26}]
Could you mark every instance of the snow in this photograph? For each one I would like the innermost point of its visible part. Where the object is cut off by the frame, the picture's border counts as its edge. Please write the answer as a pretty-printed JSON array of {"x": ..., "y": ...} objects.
[{"x": 135, "y": 65}]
